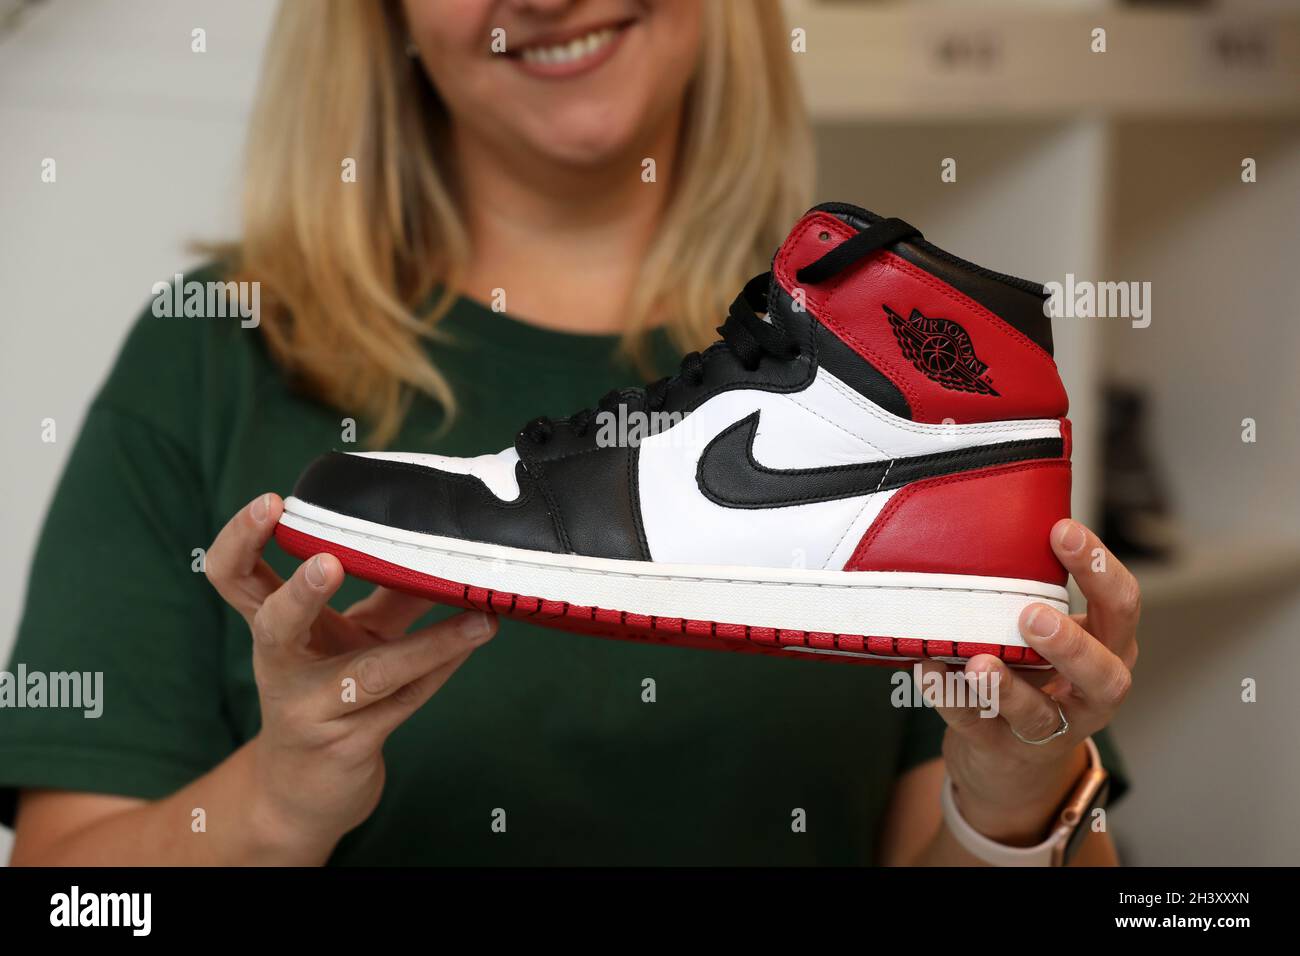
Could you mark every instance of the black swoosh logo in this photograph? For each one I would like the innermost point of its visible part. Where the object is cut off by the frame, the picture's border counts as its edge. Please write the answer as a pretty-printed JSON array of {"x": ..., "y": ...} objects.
[{"x": 729, "y": 475}]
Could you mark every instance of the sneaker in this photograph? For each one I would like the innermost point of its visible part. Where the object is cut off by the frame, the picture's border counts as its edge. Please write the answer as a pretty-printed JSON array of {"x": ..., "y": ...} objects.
[{"x": 866, "y": 467}]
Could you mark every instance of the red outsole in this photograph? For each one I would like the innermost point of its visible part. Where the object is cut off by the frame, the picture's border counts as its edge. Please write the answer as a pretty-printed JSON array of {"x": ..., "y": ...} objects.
[{"x": 606, "y": 622}]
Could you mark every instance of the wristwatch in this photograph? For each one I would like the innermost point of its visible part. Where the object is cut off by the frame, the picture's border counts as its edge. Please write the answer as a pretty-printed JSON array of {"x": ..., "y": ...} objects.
[{"x": 1068, "y": 830}]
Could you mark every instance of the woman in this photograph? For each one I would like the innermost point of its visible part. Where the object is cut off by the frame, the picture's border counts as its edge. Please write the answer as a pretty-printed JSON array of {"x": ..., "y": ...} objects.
[{"x": 609, "y": 172}]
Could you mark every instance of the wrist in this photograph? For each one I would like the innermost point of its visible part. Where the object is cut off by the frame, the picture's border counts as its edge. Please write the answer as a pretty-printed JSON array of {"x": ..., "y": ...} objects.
[
  {"x": 1027, "y": 820},
  {"x": 274, "y": 833}
]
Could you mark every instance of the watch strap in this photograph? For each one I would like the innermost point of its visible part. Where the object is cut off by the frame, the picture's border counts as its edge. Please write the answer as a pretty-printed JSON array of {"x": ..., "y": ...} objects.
[{"x": 1000, "y": 854}]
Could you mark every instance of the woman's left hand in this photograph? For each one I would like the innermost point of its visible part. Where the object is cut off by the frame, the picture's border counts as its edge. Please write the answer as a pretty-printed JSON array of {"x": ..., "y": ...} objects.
[{"x": 1008, "y": 789}]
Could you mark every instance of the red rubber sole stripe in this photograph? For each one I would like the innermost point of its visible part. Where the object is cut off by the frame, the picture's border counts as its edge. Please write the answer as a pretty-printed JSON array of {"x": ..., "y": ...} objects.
[{"x": 607, "y": 622}]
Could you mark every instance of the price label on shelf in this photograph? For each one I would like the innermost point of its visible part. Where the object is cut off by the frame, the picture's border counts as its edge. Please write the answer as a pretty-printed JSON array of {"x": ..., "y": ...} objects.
[
  {"x": 1240, "y": 49},
  {"x": 977, "y": 52}
]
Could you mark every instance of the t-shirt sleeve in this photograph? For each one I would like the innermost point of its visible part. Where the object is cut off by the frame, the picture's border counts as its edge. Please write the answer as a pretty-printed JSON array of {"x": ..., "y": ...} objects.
[{"x": 122, "y": 632}]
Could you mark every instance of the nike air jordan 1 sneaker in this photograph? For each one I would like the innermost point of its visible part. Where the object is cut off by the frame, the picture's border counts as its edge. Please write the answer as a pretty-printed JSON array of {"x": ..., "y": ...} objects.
[{"x": 865, "y": 467}]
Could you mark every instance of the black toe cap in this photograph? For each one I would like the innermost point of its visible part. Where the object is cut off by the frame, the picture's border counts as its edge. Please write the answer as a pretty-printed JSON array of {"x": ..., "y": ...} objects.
[{"x": 415, "y": 498}]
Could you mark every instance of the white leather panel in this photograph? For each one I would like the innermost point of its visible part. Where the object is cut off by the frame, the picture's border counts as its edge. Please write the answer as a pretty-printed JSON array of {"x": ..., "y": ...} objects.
[
  {"x": 825, "y": 424},
  {"x": 684, "y": 527},
  {"x": 895, "y": 437}
]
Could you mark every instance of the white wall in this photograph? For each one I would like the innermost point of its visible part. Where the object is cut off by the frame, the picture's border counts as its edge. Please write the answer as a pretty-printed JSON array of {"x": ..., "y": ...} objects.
[{"x": 146, "y": 136}]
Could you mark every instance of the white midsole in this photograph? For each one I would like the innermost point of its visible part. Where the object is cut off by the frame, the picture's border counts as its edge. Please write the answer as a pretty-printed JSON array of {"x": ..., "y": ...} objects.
[{"x": 941, "y": 607}]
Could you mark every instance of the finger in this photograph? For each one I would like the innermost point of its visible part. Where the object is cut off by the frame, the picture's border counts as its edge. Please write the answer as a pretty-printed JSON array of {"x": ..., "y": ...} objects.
[
  {"x": 234, "y": 562},
  {"x": 1025, "y": 708},
  {"x": 385, "y": 669},
  {"x": 1049, "y": 681},
  {"x": 1113, "y": 595},
  {"x": 952, "y": 696},
  {"x": 282, "y": 625},
  {"x": 1093, "y": 669},
  {"x": 387, "y": 715},
  {"x": 388, "y": 612}
]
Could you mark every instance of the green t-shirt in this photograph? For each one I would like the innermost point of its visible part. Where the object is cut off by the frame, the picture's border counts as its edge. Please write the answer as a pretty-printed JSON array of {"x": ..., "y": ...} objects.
[{"x": 553, "y": 728}]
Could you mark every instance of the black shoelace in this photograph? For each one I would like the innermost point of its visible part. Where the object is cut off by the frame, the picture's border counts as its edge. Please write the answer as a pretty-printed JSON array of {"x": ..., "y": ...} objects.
[{"x": 745, "y": 333}]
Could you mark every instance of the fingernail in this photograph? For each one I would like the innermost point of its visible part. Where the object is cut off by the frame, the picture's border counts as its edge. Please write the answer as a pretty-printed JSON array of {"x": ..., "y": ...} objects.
[
  {"x": 316, "y": 572},
  {"x": 1042, "y": 622},
  {"x": 261, "y": 507},
  {"x": 1073, "y": 538},
  {"x": 476, "y": 626}
]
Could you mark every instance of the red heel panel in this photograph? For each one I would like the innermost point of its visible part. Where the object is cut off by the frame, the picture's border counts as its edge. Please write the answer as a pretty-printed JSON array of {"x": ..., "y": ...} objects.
[{"x": 993, "y": 522}]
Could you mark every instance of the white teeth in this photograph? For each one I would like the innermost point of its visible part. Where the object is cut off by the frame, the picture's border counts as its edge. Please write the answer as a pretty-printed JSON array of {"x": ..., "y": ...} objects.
[{"x": 575, "y": 49}]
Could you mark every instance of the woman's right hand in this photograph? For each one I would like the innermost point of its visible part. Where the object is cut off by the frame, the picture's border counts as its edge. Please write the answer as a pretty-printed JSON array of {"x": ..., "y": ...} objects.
[{"x": 332, "y": 686}]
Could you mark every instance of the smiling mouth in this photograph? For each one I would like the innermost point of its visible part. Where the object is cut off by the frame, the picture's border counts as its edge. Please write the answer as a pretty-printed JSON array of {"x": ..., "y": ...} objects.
[{"x": 572, "y": 54}]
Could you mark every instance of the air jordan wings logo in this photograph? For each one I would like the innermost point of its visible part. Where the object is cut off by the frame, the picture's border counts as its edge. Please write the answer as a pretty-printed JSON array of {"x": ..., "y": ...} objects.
[{"x": 941, "y": 350}]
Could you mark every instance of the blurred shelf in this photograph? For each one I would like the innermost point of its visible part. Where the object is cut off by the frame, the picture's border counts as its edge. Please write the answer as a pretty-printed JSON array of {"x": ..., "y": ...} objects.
[
  {"x": 940, "y": 61},
  {"x": 1209, "y": 573}
]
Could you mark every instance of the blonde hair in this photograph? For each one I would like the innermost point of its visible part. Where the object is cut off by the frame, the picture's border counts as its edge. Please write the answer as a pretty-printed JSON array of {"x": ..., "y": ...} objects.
[{"x": 342, "y": 270}]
